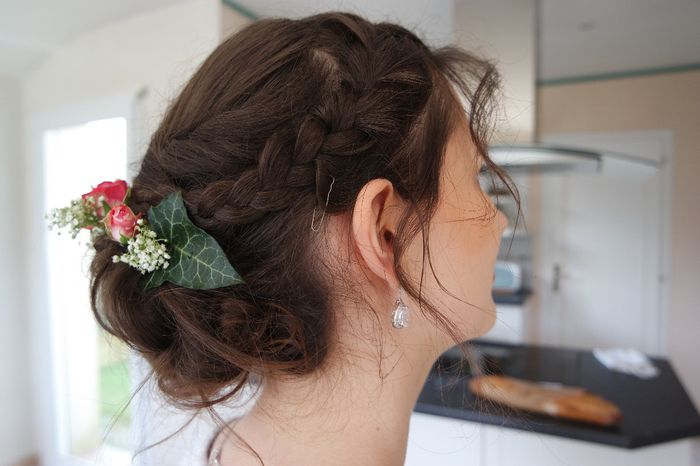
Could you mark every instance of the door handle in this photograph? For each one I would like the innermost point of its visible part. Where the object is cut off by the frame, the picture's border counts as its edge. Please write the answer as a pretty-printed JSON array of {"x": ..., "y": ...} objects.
[{"x": 556, "y": 277}]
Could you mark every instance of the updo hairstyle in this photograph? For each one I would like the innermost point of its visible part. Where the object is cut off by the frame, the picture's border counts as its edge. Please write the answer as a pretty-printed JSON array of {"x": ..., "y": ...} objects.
[{"x": 279, "y": 111}]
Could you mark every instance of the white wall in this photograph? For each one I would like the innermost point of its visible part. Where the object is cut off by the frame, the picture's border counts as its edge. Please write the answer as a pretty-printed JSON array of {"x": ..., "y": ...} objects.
[
  {"x": 156, "y": 52},
  {"x": 16, "y": 433},
  {"x": 504, "y": 31}
]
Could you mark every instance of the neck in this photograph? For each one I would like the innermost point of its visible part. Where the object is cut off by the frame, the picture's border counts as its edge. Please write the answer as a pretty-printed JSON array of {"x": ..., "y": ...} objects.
[{"x": 359, "y": 408}]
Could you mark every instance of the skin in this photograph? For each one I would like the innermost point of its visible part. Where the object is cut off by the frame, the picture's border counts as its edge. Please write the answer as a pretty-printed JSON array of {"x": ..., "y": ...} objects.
[{"x": 350, "y": 415}]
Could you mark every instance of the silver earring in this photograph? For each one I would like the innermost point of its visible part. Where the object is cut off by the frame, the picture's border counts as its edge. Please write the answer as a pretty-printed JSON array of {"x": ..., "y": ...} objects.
[{"x": 399, "y": 318}]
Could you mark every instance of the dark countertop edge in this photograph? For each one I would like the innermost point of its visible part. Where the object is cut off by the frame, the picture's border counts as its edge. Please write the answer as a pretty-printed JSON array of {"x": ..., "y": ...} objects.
[
  {"x": 518, "y": 297},
  {"x": 556, "y": 429}
]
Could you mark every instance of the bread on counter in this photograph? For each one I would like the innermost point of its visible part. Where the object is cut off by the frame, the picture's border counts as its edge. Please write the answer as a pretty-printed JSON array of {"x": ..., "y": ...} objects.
[{"x": 558, "y": 401}]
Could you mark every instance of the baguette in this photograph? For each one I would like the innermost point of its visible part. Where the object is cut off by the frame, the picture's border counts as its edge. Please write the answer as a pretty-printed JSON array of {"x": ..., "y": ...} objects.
[{"x": 563, "y": 401}]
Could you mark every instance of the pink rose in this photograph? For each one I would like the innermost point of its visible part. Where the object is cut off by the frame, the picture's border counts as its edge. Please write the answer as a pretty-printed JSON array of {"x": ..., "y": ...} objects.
[
  {"x": 114, "y": 193},
  {"x": 121, "y": 221}
]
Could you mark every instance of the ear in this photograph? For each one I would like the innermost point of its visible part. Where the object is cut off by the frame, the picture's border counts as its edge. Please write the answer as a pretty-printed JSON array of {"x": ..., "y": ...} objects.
[{"x": 374, "y": 223}]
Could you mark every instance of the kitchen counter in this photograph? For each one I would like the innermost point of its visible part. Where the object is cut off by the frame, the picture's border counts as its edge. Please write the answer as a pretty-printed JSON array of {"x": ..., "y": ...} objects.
[
  {"x": 654, "y": 410},
  {"x": 517, "y": 297}
]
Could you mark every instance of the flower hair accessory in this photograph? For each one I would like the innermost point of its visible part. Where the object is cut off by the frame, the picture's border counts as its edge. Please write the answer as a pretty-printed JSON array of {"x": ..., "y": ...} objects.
[{"x": 166, "y": 247}]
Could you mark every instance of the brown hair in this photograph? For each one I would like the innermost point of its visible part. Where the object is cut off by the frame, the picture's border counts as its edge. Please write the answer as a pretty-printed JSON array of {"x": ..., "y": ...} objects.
[{"x": 277, "y": 112}]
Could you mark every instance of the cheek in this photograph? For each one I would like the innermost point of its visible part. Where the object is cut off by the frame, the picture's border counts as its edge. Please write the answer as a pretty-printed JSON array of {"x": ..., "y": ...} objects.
[
  {"x": 464, "y": 265},
  {"x": 467, "y": 259},
  {"x": 464, "y": 243},
  {"x": 462, "y": 256}
]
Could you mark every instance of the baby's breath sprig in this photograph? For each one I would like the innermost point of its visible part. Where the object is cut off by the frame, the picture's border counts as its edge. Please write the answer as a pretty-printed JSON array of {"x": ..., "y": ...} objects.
[
  {"x": 78, "y": 215},
  {"x": 145, "y": 251}
]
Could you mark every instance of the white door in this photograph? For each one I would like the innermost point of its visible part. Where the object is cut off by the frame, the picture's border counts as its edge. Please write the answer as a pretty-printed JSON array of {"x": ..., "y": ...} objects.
[
  {"x": 83, "y": 378},
  {"x": 602, "y": 251}
]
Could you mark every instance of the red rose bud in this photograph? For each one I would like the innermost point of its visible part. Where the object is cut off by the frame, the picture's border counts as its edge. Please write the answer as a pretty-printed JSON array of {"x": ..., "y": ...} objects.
[
  {"x": 114, "y": 193},
  {"x": 121, "y": 223}
]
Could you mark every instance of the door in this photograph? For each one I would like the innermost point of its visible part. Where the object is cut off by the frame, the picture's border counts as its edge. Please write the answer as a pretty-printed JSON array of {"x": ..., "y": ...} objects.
[{"x": 602, "y": 251}]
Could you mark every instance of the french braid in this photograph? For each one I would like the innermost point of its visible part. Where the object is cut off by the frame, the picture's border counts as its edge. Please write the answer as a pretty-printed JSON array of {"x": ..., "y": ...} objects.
[{"x": 283, "y": 118}]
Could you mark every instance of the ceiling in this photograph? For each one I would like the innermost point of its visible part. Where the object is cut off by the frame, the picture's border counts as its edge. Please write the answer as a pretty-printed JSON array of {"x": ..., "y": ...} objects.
[
  {"x": 29, "y": 32},
  {"x": 576, "y": 38},
  {"x": 592, "y": 37}
]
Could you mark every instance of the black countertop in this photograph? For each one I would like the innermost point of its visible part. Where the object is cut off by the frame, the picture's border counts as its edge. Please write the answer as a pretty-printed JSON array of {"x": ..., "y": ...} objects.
[
  {"x": 654, "y": 410},
  {"x": 517, "y": 297}
]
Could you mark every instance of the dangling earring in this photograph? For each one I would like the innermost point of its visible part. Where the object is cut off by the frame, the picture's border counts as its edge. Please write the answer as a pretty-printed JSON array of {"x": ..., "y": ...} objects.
[{"x": 399, "y": 318}]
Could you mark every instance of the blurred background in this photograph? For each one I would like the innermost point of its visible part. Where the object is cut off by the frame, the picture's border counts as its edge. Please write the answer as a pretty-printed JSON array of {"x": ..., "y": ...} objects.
[{"x": 599, "y": 128}]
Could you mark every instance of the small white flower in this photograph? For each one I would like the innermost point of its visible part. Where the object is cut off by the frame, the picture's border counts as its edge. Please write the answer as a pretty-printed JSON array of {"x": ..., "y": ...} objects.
[
  {"x": 75, "y": 217},
  {"x": 144, "y": 251}
]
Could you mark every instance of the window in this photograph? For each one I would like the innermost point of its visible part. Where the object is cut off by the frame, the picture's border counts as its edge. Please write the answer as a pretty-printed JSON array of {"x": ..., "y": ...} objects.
[{"x": 90, "y": 370}]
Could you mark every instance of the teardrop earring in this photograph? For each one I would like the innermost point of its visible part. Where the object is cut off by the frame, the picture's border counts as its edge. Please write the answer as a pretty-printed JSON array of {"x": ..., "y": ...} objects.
[{"x": 399, "y": 318}]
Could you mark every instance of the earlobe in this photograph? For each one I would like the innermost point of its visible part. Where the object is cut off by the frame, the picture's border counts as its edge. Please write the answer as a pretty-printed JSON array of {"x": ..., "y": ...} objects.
[{"x": 374, "y": 227}]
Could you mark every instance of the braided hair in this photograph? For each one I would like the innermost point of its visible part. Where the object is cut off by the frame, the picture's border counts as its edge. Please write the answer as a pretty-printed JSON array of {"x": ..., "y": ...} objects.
[{"x": 287, "y": 118}]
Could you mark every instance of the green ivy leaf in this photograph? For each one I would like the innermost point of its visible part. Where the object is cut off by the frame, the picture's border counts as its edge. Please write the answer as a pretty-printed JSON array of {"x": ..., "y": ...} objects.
[{"x": 196, "y": 259}]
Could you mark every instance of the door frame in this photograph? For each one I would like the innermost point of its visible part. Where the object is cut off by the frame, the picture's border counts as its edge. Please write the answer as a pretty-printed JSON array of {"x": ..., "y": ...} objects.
[{"x": 44, "y": 371}]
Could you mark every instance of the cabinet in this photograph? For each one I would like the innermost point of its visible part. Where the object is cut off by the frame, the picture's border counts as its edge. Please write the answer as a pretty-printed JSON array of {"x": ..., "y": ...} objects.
[{"x": 438, "y": 440}]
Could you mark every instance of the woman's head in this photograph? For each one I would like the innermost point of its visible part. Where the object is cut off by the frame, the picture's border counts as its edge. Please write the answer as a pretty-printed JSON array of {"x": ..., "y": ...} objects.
[{"x": 328, "y": 156}]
